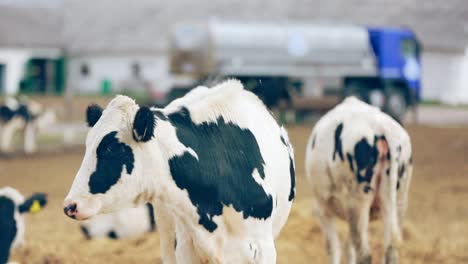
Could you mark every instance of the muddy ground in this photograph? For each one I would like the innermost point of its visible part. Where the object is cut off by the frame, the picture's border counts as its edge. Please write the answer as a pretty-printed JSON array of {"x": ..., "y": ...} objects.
[{"x": 436, "y": 230}]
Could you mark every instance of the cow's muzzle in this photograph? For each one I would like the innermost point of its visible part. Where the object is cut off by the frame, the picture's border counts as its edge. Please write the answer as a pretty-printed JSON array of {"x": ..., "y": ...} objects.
[{"x": 70, "y": 210}]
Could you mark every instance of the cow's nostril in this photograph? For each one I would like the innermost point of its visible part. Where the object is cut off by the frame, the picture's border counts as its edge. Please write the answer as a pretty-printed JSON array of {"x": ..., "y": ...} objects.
[{"x": 70, "y": 210}]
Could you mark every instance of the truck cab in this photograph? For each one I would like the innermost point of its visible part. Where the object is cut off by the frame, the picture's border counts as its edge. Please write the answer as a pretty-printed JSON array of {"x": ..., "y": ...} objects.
[{"x": 397, "y": 85}]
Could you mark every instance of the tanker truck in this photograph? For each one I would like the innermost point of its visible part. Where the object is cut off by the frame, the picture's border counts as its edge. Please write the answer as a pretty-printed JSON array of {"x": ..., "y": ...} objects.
[{"x": 302, "y": 66}]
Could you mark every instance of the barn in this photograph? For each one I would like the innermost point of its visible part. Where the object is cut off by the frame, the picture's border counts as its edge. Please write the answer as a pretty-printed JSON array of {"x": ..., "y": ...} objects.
[{"x": 116, "y": 54}]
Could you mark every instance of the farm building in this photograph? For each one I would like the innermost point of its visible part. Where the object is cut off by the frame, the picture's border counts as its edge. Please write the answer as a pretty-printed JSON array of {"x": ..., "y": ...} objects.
[
  {"x": 104, "y": 53},
  {"x": 31, "y": 54}
]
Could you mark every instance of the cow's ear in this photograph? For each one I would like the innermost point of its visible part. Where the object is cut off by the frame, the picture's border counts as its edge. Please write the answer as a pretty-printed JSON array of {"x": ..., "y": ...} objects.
[
  {"x": 93, "y": 113},
  {"x": 143, "y": 125},
  {"x": 33, "y": 204}
]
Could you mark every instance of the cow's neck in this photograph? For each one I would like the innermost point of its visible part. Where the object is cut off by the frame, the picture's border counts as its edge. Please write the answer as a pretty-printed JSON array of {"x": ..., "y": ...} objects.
[{"x": 160, "y": 150}]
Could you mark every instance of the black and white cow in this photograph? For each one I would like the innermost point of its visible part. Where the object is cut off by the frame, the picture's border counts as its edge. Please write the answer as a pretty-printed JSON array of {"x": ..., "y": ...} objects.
[
  {"x": 28, "y": 116},
  {"x": 358, "y": 161},
  {"x": 126, "y": 223},
  {"x": 13, "y": 206},
  {"x": 216, "y": 166}
]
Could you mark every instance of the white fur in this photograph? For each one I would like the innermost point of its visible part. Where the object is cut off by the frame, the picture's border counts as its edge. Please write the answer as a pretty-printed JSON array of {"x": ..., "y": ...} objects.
[
  {"x": 252, "y": 239},
  {"x": 126, "y": 223},
  {"x": 334, "y": 185}
]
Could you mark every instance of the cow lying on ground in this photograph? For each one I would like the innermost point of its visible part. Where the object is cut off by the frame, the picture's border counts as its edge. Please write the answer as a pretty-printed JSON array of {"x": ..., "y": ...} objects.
[
  {"x": 13, "y": 206},
  {"x": 358, "y": 161},
  {"x": 126, "y": 223},
  {"x": 27, "y": 116},
  {"x": 216, "y": 166}
]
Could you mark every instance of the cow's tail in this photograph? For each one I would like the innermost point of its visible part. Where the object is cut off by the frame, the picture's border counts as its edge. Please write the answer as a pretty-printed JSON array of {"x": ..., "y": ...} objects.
[
  {"x": 389, "y": 187},
  {"x": 392, "y": 217},
  {"x": 395, "y": 225}
]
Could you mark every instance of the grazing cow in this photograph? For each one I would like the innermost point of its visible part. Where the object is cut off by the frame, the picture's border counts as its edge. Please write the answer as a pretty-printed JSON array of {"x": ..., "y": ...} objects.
[
  {"x": 13, "y": 206},
  {"x": 127, "y": 223},
  {"x": 216, "y": 166},
  {"x": 358, "y": 161},
  {"x": 28, "y": 116}
]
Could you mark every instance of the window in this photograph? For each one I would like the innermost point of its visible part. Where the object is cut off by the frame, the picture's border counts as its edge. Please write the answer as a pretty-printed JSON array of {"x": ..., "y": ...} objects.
[
  {"x": 409, "y": 48},
  {"x": 84, "y": 70}
]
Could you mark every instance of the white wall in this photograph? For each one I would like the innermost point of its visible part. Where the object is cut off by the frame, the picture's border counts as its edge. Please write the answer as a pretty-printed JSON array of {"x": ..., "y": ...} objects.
[
  {"x": 15, "y": 60},
  {"x": 445, "y": 77},
  {"x": 117, "y": 69}
]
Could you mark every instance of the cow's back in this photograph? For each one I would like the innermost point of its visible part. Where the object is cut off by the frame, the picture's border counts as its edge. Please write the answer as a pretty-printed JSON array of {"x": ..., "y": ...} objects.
[
  {"x": 351, "y": 126},
  {"x": 235, "y": 138}
]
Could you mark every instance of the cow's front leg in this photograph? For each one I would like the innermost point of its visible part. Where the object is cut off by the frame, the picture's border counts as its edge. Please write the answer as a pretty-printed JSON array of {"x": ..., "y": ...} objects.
[
  {"x": 185, "y": 249},
  {"x": 350, "y": 252},
  {"x": 358, "y": 224},
  {"x": 167, "y": 235}
]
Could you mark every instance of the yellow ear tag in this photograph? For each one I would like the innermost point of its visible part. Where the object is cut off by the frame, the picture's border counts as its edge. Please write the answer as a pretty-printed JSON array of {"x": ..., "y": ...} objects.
[{"x": 35, "y": 207}]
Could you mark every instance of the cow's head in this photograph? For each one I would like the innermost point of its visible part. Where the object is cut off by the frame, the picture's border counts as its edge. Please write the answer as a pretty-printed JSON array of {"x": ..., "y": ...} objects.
[
  {"x": 13, "y": 206},
  {"x": 111, "y": 174}
]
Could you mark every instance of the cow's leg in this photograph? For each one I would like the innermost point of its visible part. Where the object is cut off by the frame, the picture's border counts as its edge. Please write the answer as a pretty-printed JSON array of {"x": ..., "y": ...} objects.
[
  {"x": 327, "y": 224},
  {"x": 358, "y": 220},
  {"x": 350, "y": 252},
  {"x": 267, "y": 252},
  {"x": 390, "y": 241},
  {"x": 184, "y": 249},
  {"x": 167, "y": 237},
  {"x": 8, "y": 130},
  {"x": 30, "y": 138}
]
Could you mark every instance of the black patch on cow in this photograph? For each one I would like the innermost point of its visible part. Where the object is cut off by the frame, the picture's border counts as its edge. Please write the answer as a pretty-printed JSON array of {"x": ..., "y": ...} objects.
[
  {"x": 143, "y": 125},
  {"x": 367, "y": 189},
  {"x": 175, "y": 243},
  {"x": 222, "y": 175},
  {"x": 401, "y": 173},
  {"x": 112, "y": 156},
  {"x": 41, "y": 198},
  {"x": 292, "y": 174},
  {"x": 401, "y": 170},
  {"x": 93, "y": 113},
  {"x": 151, "y": 216},
  {"x": 112, "y": 235},
  {"x": 388, "y": 171},
  {"x": 338, "y": 143},
  {"x": 283, "y": 141},
  {"x": 398, "y": 149},
  {"x": 160, "y": 115},
  {"x": 350, "y": 160},
  {"x": 7, "y": 227},
  {"x": 313, "y": 141},
  {"x": 6, "y": 114},
  {"x": 366, "y": 157},
  {"x": 389, "y": 155},
  {"x": 85, "y": 232},
  {"x": 24, "y": 113}
]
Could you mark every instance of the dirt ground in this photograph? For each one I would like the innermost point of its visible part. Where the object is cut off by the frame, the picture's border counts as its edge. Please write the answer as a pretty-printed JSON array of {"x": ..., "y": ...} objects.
[{"x": 436, "y": 230}]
